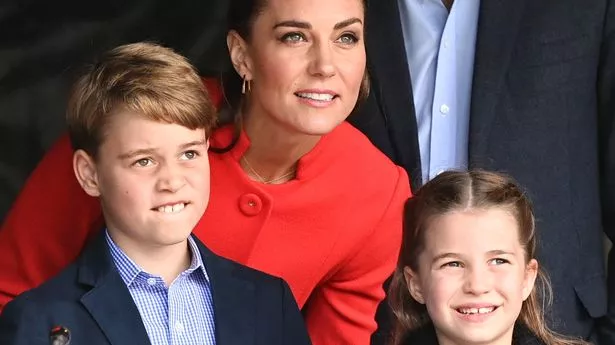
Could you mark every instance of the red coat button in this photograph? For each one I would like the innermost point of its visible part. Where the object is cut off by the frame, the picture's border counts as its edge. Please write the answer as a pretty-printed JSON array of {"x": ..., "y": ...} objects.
[{"x": 250, "y": 204}]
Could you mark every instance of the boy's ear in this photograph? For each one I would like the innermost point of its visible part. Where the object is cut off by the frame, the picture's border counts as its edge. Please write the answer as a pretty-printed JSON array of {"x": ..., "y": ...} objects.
[
  {"x": 240, "y": 57},
  {"x": 414, "y": 286},
  {"x": 85, "y": 171},
  {"x": 531, "y": 272}
]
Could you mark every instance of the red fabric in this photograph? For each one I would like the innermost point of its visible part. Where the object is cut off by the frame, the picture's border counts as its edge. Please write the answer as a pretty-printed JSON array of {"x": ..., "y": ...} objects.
[
  {"x": 333, "y": 233},
  {"x": 215, "y": 93}
]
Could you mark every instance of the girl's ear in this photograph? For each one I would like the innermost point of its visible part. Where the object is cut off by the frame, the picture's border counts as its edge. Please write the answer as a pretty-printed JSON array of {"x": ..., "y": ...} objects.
[
  {"x": 531, "y": 272},
  {"x": 414, "y": 286}
]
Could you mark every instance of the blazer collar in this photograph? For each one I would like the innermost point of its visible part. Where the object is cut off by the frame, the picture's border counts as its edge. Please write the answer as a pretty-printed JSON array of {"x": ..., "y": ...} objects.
[
  {"x": 109, "y": 301},
  {"x": 233, "y": 297},
  {"x": 111, "y": 305},
  {"x": 390, "y": 81}
]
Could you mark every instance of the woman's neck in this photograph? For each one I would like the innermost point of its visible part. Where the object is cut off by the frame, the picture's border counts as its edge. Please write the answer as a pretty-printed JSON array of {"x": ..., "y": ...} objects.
[{"x": 274, "y": 150}]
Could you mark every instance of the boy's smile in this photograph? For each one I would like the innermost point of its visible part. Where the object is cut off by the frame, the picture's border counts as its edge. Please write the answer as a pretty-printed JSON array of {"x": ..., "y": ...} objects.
[{"x": 171, "y": 207}]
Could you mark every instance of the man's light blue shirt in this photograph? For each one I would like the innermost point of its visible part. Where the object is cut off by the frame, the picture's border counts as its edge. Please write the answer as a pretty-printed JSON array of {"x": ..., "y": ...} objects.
[{"x": 440, "y": 50}]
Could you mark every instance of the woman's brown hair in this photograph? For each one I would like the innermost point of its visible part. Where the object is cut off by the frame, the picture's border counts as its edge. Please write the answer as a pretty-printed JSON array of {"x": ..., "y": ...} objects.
[{"x": 458, "y": 191}]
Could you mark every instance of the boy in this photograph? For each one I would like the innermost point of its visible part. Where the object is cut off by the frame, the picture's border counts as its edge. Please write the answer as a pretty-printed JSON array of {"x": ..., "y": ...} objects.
[{"x": 139, "y": 121}]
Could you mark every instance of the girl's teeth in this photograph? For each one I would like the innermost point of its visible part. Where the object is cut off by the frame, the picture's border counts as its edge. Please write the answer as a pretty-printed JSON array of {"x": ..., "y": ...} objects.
[{"x": 477, "y": 310}]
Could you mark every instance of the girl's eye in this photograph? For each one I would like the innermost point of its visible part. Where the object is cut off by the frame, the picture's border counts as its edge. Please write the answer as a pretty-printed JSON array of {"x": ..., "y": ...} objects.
[
  {"x": 143, "y": 162},
  {"x": 293, "y": 37},
  {"x": 499, "y": 261},
  {"x": 348, "y": 39},
  {"x": 189, "y": 155}
]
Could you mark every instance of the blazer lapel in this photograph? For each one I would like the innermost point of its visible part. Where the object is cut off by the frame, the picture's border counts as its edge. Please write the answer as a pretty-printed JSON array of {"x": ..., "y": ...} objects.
[
  {"x": 233, "y": 298},
  {"x": 387, "y": 62},
  {"x": 498, "y": 25},
  {"x": 109, "y": 302}
]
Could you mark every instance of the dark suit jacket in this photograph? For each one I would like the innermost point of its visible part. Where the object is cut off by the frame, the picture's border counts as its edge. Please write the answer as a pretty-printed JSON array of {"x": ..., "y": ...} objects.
[
  {"x": 542, "y": 110},
  {"x": 90, "y": 299}
]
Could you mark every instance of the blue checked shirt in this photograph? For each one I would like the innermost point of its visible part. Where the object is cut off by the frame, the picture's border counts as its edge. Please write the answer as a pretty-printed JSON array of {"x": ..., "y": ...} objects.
[{"x": 181, "y": 314}]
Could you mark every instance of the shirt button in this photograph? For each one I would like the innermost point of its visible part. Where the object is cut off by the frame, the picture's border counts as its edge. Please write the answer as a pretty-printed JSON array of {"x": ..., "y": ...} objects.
[
  {"x": 445, "y": 43},
  {"x": 250, "y": 204},
  {"x": 444, "y": 109},
  {"x": 151, "y": 281},
  {"x": 179, "y": 327}
]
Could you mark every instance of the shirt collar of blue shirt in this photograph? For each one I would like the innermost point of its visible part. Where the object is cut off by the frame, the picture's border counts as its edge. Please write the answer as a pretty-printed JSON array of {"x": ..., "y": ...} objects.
[{"x": 129, "y": 270}]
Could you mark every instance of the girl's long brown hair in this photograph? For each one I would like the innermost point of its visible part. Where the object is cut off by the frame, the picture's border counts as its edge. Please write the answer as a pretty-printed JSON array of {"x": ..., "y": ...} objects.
[{"x": 458, "y": 191}]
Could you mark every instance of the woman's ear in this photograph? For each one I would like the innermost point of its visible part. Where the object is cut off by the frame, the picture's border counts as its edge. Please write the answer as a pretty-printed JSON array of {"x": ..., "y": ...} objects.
[
  {"x": 531, "y": 272},
  {"x": 414, "y": 286},
  {"x": 85, "y": 171},
  {"x": 240, "y": 57}
]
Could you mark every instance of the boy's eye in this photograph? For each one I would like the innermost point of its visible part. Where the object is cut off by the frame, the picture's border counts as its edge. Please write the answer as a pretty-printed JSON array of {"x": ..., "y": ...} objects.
[
  {"x": 143, "y": 162},
  {"x": 452, "y": 264},
  {"x": 189, "y": 155},
  {"x": 499, "y": 261}
]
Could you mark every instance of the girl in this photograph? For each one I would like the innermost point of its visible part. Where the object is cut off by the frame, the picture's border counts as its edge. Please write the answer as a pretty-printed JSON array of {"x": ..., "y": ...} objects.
[
  {"x": 467, "y": 268},
  {"x": 296, "y": 191}
]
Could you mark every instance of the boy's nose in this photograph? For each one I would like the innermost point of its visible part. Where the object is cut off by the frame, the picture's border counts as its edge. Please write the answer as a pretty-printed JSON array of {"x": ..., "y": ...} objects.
[{"x": 170, "y": 180}]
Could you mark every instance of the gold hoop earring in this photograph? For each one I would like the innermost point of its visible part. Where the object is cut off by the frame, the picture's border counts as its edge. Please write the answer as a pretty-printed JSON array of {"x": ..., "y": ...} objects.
[{"x": 246, "y": 85}]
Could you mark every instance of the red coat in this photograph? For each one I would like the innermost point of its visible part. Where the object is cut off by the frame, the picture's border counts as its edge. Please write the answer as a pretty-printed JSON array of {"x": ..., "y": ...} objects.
[{"x": 333, "y": 233}]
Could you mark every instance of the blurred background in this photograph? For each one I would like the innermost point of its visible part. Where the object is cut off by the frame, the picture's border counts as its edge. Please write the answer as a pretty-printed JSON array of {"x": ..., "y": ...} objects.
[{"x": 42, "y": 43}]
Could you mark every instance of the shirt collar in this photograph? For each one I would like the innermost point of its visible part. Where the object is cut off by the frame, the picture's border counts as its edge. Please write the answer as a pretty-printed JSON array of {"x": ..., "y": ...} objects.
[{"x": 129, "y": 270}]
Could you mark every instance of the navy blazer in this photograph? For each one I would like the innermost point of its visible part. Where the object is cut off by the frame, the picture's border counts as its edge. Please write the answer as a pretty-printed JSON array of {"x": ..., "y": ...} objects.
[{"x": 90, "y": 299}]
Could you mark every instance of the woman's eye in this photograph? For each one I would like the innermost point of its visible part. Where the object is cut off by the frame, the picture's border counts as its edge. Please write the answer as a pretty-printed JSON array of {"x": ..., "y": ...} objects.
[
  {"x": 293, "y": 37},
  {"x": 348, "y": 39}
]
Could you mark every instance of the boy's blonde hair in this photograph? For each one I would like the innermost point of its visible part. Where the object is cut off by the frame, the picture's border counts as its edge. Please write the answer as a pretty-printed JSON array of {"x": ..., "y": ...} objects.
[
  {"x": 142, "y": 78},
  {"x": 458, "y": 191}
]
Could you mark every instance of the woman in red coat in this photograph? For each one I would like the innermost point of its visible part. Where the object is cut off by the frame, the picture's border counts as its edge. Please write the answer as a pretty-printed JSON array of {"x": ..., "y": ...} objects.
[{"x": 295, "y": 190}]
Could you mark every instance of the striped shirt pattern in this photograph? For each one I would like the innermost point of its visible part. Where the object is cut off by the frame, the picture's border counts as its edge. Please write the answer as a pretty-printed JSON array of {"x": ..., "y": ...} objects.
[{"x": 181, "y": 314}]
